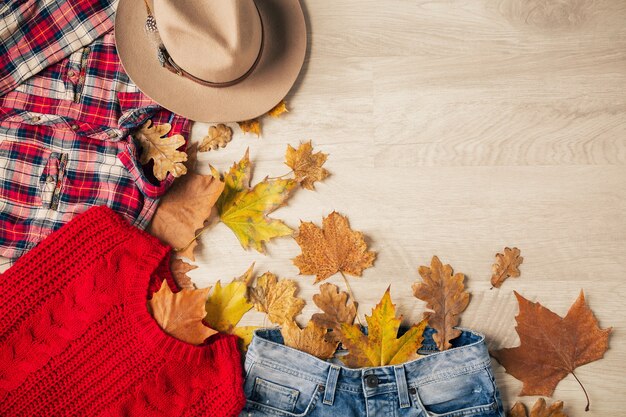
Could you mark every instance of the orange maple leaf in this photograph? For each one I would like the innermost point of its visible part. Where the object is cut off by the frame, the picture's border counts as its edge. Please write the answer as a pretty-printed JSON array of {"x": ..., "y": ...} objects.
[{"x": 551, "y": 346}]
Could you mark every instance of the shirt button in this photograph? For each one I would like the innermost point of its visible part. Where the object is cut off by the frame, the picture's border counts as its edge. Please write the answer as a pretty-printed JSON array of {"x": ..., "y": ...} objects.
[
  {"x": 412, "y": 391},
  {"x": 71, "y": 73},
  {"x": 36, "y": 119},
  {"x": 74, "y": 127},
  {"x": 112, "y": 134},
  {"x": 371, "y": 381}
]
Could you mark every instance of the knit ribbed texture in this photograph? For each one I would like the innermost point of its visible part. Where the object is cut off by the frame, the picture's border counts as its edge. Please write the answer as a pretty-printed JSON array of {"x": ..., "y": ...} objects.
[{"x": 76, "y": 338}]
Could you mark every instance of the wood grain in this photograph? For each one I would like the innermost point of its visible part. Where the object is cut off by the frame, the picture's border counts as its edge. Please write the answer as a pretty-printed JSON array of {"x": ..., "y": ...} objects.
[{"x": 456, "y": 128}]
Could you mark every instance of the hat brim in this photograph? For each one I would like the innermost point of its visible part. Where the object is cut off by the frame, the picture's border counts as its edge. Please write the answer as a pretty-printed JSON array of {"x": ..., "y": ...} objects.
[{"x": 281, "y": 60}]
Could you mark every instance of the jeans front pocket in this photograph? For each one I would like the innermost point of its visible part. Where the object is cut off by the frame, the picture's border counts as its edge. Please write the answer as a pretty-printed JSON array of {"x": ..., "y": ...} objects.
[
  {"x": 271, "y": 392},
  {"x": 472, "y": 394}
]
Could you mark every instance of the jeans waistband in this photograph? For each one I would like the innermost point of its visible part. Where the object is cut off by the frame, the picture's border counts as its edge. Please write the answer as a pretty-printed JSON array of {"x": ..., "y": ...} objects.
[{"x": 469, "y": 353}]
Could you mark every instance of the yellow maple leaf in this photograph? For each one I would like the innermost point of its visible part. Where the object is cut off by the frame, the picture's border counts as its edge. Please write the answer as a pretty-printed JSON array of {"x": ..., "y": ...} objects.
[
  {"x": 381, "y": 346},
  {"x": 162, "y": 149},
  {"x": 180, "y": 314},
  {"x": 227, "y": 305},
  {"x": 306, "y": 165},
  {"x": 245, "y": 334},
  {"x": 276, "y": 298},
  {"x": 245, "y": 210},
  {"x": 250, "y": 126},
  {"x": 278, "y": 109},
  {"x": 310, "y": 339},
  {"x": 331, "y": 249}
]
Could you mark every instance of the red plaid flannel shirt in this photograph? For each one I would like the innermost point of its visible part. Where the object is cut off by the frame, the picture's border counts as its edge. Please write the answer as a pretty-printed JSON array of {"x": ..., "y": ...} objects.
[{"x": 66, "y": 110}]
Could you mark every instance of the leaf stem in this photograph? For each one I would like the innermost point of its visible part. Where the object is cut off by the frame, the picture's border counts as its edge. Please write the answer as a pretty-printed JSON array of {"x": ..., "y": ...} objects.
[
  {"x": 356, "y": 306},
  {"x": 584, "y": 390},
  {"x": 280, "y": 176},
  {"x": 192, "y": 240}
]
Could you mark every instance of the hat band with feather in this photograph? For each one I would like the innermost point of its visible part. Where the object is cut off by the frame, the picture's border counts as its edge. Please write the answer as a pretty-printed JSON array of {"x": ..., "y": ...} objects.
[{"x": 168, "y": 63}]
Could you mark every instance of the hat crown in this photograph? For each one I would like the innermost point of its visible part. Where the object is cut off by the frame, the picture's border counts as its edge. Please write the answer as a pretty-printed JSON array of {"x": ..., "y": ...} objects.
[{"x": 214, "y": 40}]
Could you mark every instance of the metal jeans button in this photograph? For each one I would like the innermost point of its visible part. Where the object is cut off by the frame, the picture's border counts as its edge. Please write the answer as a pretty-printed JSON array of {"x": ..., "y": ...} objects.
[{"x": 371, "y": 381}]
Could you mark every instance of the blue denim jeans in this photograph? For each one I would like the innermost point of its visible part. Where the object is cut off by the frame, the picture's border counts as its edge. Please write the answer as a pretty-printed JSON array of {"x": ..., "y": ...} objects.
[{"x": 281, "y": 381}]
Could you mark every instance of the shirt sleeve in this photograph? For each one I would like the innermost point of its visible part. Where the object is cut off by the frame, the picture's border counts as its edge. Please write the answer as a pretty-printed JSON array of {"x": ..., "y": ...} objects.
[{"x": 35, "y": 34}]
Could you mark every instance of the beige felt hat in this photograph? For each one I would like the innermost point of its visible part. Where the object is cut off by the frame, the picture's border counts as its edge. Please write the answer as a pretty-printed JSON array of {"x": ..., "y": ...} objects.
[{"x": 212, "y": 60}]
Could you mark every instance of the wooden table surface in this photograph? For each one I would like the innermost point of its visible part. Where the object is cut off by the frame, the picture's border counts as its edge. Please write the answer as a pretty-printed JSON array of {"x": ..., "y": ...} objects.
[{"x": 456, "y": 128}]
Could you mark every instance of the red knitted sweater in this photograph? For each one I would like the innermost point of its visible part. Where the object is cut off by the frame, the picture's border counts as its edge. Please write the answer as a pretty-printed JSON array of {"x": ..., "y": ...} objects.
[{"x": 76, "y": 338}]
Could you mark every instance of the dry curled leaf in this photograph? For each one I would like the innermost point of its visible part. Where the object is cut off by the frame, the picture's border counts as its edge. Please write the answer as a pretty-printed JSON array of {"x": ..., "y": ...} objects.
[
  {"x": 180, "y": 314},
  {"x": 250, "y": 126},
  {"x": 507, "y": 265},
  {"x": 183, "y": 210},
  {"x": 218, "y": 137},
  {"x": 276, "y": 298},
  {"x": 162, "y": 149},
  {"x": 381, "y": 346},
  {"x": 445, "y": 296},
  {"x": 331, "y": 249},
  {"x": 540, "y": 409},
  {"x": 310, "y": 339},
  {"x": 278, "y": 109},
  {"x": 306, "y": 165},
  {"x": 245, "y": 210},
  {"x": 337, "y": 310},
  {"x": 179, "y": 270},
  {"x": 551, "y": 347}
]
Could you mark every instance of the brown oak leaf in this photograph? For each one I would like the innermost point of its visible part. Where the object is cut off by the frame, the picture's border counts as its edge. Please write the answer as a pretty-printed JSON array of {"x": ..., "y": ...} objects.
[
  {"x": 306, "y": 165},
  {"x": 250, "y": 126},
  {"x": 183, "y": 211},
  {"x": 180, "y": 314},
  {"x": 162, "y": 149},
  {"x": 551, "y": 347},
  {"x": 218, "y": 137},
  {"x": 336, "y": 308},
  {"x": 276, "y": 298},
  {"x": 331, "y": 249},
  {"x": 310, "y": 339},
  {"x": 179, "y": 270},
  {"x": 278, "y": 109},
  {"x": 507, "y": 265},
  {"x": 445, "y": 296},
  {"x": 540, "y": 409}
]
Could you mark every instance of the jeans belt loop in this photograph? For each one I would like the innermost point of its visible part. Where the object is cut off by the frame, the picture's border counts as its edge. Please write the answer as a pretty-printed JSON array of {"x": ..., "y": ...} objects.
[
  {"x": 331, "y": 384},
  {"x": 403, "y": 390}
]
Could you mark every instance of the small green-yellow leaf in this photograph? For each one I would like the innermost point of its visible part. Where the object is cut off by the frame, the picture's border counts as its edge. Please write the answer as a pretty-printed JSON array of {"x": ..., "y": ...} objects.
[{"x": 245, "y": 210}]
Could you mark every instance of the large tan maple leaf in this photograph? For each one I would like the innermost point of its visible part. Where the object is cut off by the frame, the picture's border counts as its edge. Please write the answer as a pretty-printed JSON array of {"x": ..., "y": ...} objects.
[
  {"x": 552, "y": 347},
  {"x": 332, "y": 248}
]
